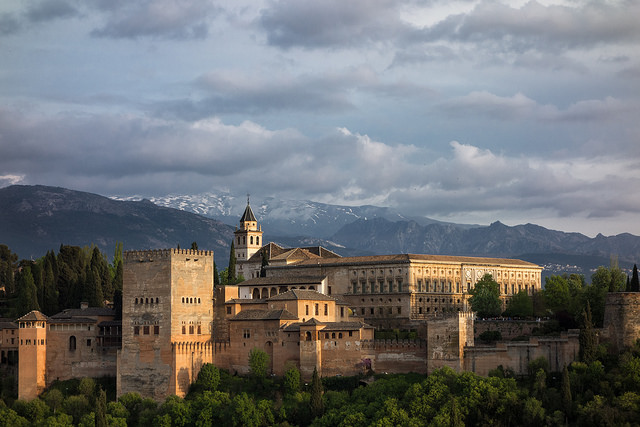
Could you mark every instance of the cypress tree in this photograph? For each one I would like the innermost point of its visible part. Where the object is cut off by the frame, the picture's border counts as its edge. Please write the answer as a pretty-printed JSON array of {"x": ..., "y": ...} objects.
[
  {"x": 635, "y": 282},
  {"x": 101, "y": 409},
  {"x": 264, "y": 264},
  {"x": 216, "y": 277},
  {"x": 231, "y": 271},
  {"x": 317, "y": 406},
  {"x": 27, "y": 294},
  {"x": 567, "y": 400},
  {"x": 588, "y": 338}
]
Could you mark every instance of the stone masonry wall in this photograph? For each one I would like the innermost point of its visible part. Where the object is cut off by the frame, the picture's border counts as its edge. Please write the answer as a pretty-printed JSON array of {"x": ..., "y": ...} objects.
[{"x": 622, "y": 319}]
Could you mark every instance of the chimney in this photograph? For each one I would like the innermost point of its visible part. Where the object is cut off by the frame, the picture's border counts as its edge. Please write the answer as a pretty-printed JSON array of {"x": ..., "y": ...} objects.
[{"x": 84, "y": 305}]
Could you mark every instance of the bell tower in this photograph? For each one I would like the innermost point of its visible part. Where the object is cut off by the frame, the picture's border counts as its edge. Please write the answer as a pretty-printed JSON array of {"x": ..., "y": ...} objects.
[{"x": 248, "y": 238}]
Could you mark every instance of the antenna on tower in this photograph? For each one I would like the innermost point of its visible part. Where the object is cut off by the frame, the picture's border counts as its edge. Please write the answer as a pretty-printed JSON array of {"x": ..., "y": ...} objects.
[{"x": 247, "y": 198}]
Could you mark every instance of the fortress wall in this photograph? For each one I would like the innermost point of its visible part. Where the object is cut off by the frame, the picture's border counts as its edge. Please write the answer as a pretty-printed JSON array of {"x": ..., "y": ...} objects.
[
  {"x": 517, "y": 355},
  {"x": 397, "y": 356},
  {"x": 508, "y": 328},
  {"x": 188, "y": 360}
]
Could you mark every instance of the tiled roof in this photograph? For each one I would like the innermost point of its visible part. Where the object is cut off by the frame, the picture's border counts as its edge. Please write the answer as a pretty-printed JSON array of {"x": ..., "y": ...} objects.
[
  {"x": 407, "y": 258},
  {"x": 345, "y": 326},
  {"x": 110, "y": 323},
  {"x": 295, "y": 254},
  {"x": 245, "y": 301},
  {"x": 32, "y": 316},
  {"x": 8, "y": 324},
  {"x": 295, "y": 280},
  {"x": 301, "y": 294},
  {"x": 82, "y": 312},
  {"x": 248, "y": 215},
  {"x": 276, "y": 252},
  {"x": 313, "y": 321},
  {"x": 74, "y": 319},
  {"x": 264, "y": 315}
]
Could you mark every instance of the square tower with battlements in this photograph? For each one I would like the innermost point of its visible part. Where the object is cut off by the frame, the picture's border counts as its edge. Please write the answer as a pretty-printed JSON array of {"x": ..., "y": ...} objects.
[{"x": 167, "y": 317}]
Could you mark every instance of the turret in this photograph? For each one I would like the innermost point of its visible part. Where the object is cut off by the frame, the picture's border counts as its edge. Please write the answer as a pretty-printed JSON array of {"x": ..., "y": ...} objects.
[{"x": 248, "y": 238}]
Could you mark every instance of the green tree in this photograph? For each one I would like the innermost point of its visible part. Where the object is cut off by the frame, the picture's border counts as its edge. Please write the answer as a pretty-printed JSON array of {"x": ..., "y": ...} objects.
[
  {"x": 216, "y": 277},
  {"x": 208, "y": 377},
  {"x": 27, "y": 293},
  {"x": 86, "y": 387},
  {"x": 567, "y": 400},
  {"x": 316, "y": 403},
  {"x": 588, "y": 337},
  {"x": 101, "y": 409},
  {"x": 556, "y": 293},
  {"x": 231, "y": 270},
  {"x": 93, "y": 288},
  {"x": 485, "y": 299},
  {"x": 8, "y": 266},
  {"x": 634, "y": 284},
  {"x": 291, "y": 382},
  {"x": 194, "y": 246},
  {"x": 258, "y": 363},
  {"x": 520, "y": 305},
  {"x": 49, "y": 304}
]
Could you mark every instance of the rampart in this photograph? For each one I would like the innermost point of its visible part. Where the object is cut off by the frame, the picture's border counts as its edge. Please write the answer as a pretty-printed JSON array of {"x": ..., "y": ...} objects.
[
  {"x": 516, "y": 355},
  {"x": 161, "y": 253},
  {"x": 509, "y": 329}
]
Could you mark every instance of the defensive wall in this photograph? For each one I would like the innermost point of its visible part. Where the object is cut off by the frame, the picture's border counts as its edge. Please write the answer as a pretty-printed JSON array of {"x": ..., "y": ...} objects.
[
  {"x": 516, "y": 355},
  {"x": 509, "y": 329}
]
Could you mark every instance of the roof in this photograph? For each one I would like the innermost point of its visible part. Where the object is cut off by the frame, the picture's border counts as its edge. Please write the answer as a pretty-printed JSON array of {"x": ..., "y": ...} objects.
[
  {"x": 8, "y": 324},
  {"x": 301, "y": 294},
  {"x": 408, "y": 258},
  {"x": 295, "y": 280},
  {"x": 32, "y": 316},
  {"x": 248, "y": 214},
  {"x": 313, "y": 321},
  {"x": 328, "y": 326},
  {"x": 83, "y": 312},
  {"x": 75, "y": 319},
  {"x": 277, "y": 252},
  {"x": 245, "y": 301},
  {"x": 264, "y": 315},
  {"x": 111, "y": 323}
]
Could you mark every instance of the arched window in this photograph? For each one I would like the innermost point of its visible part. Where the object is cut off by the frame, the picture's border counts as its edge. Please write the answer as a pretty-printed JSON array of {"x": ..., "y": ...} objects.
[
  {"x": 72, "y": 343},
  {"x": 251, "y": 240},
  {"x": 257, "y": 240},
  {"x": 308, "y": 336},
  {"x": 136, "y": 300}
]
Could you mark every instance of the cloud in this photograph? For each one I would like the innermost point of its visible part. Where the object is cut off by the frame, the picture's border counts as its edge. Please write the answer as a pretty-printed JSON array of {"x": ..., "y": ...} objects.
[
  {"x": 521, "y": 107},
  {"x": 51, "y": 9},
  {"x": 9, "y": 24},
  {"x": 331, "y": 23},
  {"x": 171, "y": 19},
  {"x": 238, "y": 92}
]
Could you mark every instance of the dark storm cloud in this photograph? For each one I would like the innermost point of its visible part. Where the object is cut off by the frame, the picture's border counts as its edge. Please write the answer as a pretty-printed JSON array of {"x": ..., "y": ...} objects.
[
  {"x": 538, "y": 27},
  {"x": 51, "y": 9},
  {"x": 9, "y": 24},
  {"x": 331, "y": 23},
  {"x": 172, "y": 19}
]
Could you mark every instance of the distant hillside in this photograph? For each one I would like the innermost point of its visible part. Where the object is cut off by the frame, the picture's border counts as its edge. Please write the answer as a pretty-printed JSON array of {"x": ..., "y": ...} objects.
[
  {"x": 529, "y": 242},
  {"x": 35, "y": 219}
]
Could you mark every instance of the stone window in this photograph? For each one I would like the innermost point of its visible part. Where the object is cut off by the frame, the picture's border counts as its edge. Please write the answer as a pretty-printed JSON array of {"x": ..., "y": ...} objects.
[
  {"x": 317, "y": 310},
  {"x": 341, "y": 311},
  {"x": 350, "y": 333},
  {"x": 199, "y": 330},
  {"x": 198, "y": 300},
  {"x": 399, "y": 310},
  {"x": 308, "y": 336},
  {"x": 72, "y": 343},
  {"x": 156, "y": 330},
  {"x": 362, "y": 311},
  {"x": 419, "y": 285},
  {"x": 136, "y": 300},
  {"x": 257, "y": 240},
  {"x": 145, "y": 329},
  {"x": 333, "y": 335},
  {"x": 246, "y": 333},
  {"x": 399, "y": 285},
  {"x": 228, "y": 310},
  {"x": 191, "y": 329},
  {"x": 371, "y": 310},
  {"x": 183, "y": 300},
  {"x": 88, "y": 342},
  {"x": 306, "y": 309},
  {"x": 390, "y": 284},
  {"x": 340, "y": 335},
  {"x": 419, "y": 310},
  {"x": 326, "y": 336},
  {"x": 326, "y": 309},
  {"x": 251, "y": 240},
  {"x": 354, "y": 284},
  {"x": 157, "y": 299}
]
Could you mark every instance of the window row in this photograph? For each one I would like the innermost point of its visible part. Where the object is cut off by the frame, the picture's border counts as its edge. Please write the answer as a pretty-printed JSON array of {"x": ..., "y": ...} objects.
[
  {"x": 380, "y": 311},
  {"x": 146, "y": 330},
  {"x": 377, "y": 287},
  {"x": 244, "y": 240},
  {"x": 29, "y": 342},
  {"x": 333, "y": 335},
  {"x": 317, "y": 309},
  {"x": 146, "y": 300},
  {"x": 190, "y": 300},
  {"x": 192, "y": 329}
]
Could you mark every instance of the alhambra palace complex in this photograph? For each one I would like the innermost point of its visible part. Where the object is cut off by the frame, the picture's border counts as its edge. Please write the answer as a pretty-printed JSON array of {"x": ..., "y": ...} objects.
[{"x": 309, "y": 308}]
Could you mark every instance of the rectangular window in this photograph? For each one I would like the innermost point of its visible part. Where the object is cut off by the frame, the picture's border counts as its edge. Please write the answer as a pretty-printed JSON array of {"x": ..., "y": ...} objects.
[
  {"x": 371, "y": 310},
  {"x": 399, "y": 310},
  {"x": 326, "y": 309},
  {"x": 350, "y": 333},
  {"x": 419, "y": 285},
  {"x": 329, "y": 290},
  {"x": 184, "y": 330},
  {"x": 362, "y": 310},
  {"x": 306, "y": 310},
  {"x": 136, "y": 330},
  {"x": 390, "y": 283},
  {"x": 88, "y": 342},
  {"x": 317, "y": 310},
  {"x": 341, "y": 315},
  {"x": 145, "y": 330},
  {"x": 355, "y": 287},
  {"x": 191, "y": 329},
  {"x": 156, "y": 330},
  {"x": 199, "y": 330},
  {"x": 363, "y": 284},
  {"x": 228, "y": 310}
]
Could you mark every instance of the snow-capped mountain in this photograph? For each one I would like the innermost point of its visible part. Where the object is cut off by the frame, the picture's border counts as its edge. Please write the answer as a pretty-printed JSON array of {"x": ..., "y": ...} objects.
[{"x": 278, "y": 216}]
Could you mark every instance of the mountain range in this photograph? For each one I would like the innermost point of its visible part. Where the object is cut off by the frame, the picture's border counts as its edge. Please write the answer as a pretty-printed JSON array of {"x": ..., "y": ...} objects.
[{"x": 34, "y": 219}]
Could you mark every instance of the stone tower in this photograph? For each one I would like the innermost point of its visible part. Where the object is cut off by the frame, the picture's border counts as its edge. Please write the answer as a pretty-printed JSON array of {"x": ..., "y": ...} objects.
[
  {"x": 248, "y": 238},
  {"x": 32, "y": 333},
  {"x": 167, "y": 320}
]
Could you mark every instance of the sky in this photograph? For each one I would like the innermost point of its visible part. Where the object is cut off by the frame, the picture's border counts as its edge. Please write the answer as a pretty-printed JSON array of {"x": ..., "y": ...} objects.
[{"x": 462, "y": 111}]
